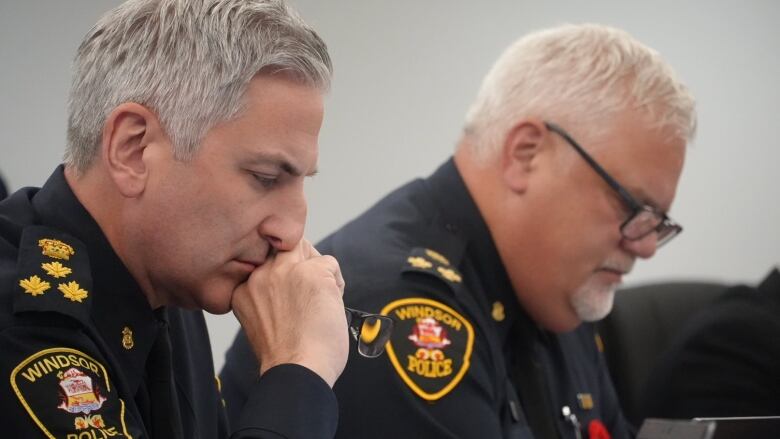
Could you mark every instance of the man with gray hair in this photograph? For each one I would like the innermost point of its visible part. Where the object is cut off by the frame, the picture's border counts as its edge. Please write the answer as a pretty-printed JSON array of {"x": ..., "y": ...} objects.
[
  {"x": 192, "y": 127},
  {"x": 494, "y": 266}
]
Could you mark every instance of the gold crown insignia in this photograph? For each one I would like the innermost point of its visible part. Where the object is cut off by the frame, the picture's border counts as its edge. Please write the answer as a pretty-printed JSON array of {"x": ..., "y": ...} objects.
[{"x": 56, "y": 249}]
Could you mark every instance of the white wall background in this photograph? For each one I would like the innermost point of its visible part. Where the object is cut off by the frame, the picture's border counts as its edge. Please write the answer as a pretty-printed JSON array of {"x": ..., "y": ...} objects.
[{"x": 407, "y": 70}]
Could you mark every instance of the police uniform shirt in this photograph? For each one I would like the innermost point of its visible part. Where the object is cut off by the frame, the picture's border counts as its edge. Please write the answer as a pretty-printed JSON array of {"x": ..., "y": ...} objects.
[
  {"x": 464, "y": 360},
  {"x": 85, "y": 357}
]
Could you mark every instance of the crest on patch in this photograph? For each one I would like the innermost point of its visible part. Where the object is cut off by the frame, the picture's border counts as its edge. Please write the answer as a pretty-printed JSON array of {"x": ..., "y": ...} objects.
[
  {"x": 431, "y": 345},
  {"x": 78, "y": 394}
]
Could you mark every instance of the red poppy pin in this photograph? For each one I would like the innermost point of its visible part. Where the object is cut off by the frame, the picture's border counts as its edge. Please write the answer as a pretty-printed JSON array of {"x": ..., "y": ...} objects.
[{"x": 597, "y": 430}]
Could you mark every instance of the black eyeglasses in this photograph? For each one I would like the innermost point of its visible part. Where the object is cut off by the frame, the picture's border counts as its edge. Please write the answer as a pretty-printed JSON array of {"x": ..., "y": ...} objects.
[
  {"x": 644, "y": 219},
  {"x": 370, "y": 331}
]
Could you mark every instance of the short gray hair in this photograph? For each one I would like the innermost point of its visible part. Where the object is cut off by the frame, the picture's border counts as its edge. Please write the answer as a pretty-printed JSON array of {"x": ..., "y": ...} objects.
[
  {"x": 189, "y": 61},
  {"x": 577, "y": 74}
]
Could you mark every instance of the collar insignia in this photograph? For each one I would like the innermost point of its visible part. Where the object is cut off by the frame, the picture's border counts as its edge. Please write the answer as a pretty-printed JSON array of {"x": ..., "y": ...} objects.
[
  {"x": 127, "y": 338},
  {"x": 599, "y": 343},
  {"x": 585, "y": 401},
  {"x": 498, "y": 312}
]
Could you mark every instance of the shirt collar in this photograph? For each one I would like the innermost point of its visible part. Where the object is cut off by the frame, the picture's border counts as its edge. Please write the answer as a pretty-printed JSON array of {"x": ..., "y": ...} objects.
[{"x": 120, "y": 311}]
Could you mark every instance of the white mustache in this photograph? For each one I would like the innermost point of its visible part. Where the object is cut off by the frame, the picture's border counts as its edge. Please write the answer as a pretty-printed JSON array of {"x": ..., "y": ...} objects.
[{"x": 620, "y": 265}]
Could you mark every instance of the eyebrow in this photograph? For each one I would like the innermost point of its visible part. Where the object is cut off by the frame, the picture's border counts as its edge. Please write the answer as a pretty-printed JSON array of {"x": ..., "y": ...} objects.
[{"x": 279, "y": 162}]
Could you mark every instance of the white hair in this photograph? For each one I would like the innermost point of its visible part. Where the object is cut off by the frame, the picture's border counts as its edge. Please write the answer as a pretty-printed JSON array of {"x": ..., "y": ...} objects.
[
  {"x": 577, "y": 74},
  {"x": 189, "y": 61}
]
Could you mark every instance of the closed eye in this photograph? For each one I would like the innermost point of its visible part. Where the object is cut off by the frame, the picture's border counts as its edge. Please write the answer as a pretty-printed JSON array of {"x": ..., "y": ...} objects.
[{"x": 267, "y": 181}]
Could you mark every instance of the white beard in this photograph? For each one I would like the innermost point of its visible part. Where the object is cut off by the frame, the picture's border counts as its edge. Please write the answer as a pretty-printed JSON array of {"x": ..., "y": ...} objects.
[{"x": 593, "y": 301}]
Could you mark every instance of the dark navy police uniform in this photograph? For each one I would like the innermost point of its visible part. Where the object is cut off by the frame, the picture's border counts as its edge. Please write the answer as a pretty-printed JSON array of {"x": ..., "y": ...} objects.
[
  {"x": 85, "y": 357},
  {"x": 464, "y": 360}
]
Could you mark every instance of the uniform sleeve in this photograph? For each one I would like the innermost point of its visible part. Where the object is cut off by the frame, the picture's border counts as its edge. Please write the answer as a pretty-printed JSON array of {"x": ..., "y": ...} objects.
[
  {"x": 289, "y": 401},
  {"x": 59, "y": 385}
]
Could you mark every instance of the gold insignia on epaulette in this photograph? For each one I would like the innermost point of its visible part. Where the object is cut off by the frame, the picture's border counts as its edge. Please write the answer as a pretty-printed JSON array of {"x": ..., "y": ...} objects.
[
  {"x": 55, "y": 269},
  {"x": 56, "y": 249},
  {"x": 34, "y": 286},
  {"x": 498, "y": 312},
  {"x": 585, "y": 400},
  {"x": 449, "y": 274},
  {"x": 73, "y": 291},
  {"x": 436, "y": 256},
  {"x": 127, "y": 338},
  {"x": 418, "y": 262}
]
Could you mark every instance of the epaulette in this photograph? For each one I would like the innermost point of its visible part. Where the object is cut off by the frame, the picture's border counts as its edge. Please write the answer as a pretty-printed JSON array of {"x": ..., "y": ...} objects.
[
  {"x": 425, "y": 260},
  {"x": 53, "y": 274}
]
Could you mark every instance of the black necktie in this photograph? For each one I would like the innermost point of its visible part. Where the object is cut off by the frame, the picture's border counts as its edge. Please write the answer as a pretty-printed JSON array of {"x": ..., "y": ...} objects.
[{"x": 166, "y": 419}]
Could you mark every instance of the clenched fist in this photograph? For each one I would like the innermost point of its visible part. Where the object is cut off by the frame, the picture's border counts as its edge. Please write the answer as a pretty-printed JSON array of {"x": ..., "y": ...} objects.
[{"x": 292, "y": 311}]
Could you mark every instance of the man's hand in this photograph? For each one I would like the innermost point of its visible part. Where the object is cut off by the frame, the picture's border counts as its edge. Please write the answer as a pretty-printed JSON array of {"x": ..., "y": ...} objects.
[{"x": 292, "y": 311}]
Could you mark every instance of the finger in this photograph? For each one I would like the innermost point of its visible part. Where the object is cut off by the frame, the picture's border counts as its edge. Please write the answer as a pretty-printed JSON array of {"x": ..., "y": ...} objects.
[
  {"x": 330, "y": 265},
  {"x": 309, "y": 251},
  {"x": 240, "y": 300},
  {"x": 297, "y": 254}
]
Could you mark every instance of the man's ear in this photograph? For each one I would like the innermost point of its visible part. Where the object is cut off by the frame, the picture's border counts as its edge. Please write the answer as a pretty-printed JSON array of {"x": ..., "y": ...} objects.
[
  {"x": 522, "y": 145},
  {"x": 127, "y": 132}
]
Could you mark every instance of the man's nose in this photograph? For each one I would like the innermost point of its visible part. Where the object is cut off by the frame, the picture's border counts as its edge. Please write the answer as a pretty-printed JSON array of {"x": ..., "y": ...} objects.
[
  {"x": 643, "y": 247},
  {"x": 283, "y": 227}
]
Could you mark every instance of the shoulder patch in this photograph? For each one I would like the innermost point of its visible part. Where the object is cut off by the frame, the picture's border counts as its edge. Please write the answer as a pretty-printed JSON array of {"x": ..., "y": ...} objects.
[
  {"x": 425, "y": 260},
  {"x": 53, "y": 273},
  {"x": 68, "y": 394},
  {"x": 431, "y": 345}
]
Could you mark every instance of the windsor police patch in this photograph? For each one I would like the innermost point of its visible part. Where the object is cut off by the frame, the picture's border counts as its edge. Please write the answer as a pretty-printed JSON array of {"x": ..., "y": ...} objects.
[
  {"x": 431, "y": 345},
  {"x": 68, "y": 395}
]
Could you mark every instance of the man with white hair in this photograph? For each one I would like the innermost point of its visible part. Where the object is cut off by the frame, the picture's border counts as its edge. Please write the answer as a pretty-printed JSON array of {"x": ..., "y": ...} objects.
[
  {"x": 192, "y": 126},
  {"x": 490, "y": 266}
]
